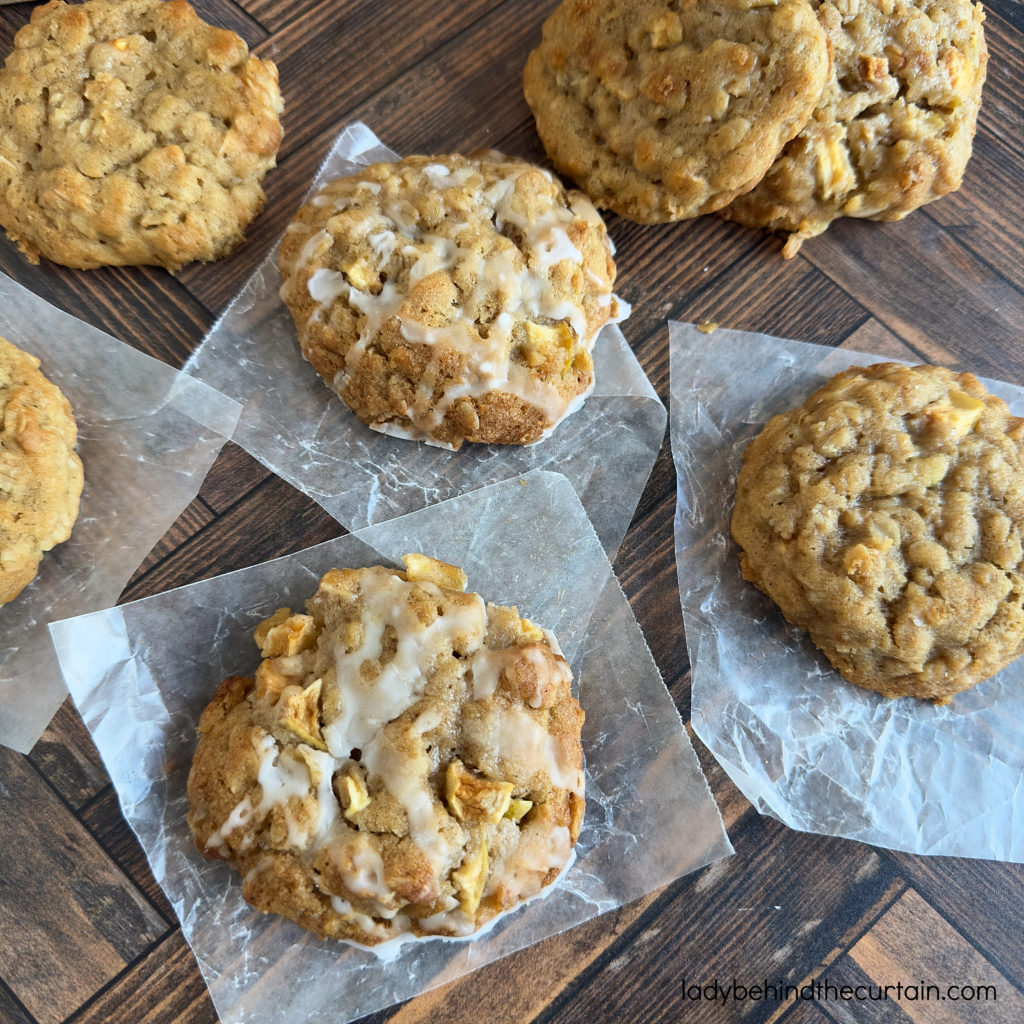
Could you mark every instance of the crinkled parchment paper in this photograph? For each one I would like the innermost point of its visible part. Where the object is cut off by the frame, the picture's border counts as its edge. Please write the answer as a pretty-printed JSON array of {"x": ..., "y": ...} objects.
[
  {"x": 147, "y": 436},
  {"x": 302, "y": 431},
  {"x": 142, "y": 673},
  {"x": 801, "y": 743}
]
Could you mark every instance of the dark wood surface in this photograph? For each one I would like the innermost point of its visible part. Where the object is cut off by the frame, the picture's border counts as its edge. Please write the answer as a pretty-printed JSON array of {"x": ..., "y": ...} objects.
[{"x": 85, "y": 933}]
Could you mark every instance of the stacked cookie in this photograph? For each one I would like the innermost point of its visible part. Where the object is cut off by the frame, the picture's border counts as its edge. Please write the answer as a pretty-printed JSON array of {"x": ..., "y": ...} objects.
[{"x": 786, "y": 114}]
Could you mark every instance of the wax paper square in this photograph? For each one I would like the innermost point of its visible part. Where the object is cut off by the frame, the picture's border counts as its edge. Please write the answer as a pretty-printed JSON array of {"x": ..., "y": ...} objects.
[
  {"x": 142, "y": 673},
  {"x": 147, "y": 436},
  {"x": 301, "y": 430},
  {"x": 800, "y": 742}
]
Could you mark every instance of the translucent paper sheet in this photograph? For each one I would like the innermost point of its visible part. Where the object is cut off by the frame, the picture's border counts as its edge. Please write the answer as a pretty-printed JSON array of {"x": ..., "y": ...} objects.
[
  {"x": 147, "y": 435},
  {"x": 298, "y": 428},
  {"x": 142, "y": 673},
  {"x": 801, "y": 743}
]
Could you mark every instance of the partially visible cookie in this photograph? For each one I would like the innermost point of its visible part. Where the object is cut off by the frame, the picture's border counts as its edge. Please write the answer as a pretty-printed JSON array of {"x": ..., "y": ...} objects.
[
  {"x": 895, "y": 123},
  {"x": 885, "y": 516},
  {"x": 451, "y": 298},
  {"x": 407, "y": 761},
  {"x": 131, "y": 132},
  {"x": 40, "y": 473},
  {"x": 662, "y": 111}
]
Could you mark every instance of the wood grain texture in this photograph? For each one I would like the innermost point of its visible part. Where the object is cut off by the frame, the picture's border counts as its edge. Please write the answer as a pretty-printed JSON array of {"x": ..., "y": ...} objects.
[
  {"x": 85, "y": 934},
  {"x": 163, "y": 988},
  {"x": 776, "y": 915},
  {"x": 938, "y": 979},
  {"x": 104, "y": 820},
  {"x": 68, "y": 759},
  {"x": 69, "y": 919}
]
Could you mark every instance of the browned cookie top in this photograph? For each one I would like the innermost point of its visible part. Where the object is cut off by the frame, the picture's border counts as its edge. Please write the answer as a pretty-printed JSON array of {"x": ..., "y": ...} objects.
[
  {"x": 451, "y": 298},
  {"x": 40, "y": 473},
  {"x": 665, "y": 110},
  {"x": 407, "y": 761},
  {"x": 885, "y": 516},
  {"x": 131, "y": 132},
  {"x": 894, "y": 125}
]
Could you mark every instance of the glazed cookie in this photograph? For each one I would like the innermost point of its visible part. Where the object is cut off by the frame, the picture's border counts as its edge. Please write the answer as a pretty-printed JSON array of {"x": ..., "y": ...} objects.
[
  {"x": 407, "y": 761},
  {"x": 885, "y": 516},
  {"x": 40, "y": 473},
  {"x": 451, "y": 298},
  {"x": 895, "y": 123},
  {"x": 661, "y": 110},
  {"x": 131, "y": 132}
]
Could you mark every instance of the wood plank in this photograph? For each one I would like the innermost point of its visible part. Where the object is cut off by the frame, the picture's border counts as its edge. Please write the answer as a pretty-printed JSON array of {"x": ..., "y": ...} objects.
[
  {"x": 845, "y": 973},
  {"x": 69, "y": 919},
  {"x": 1002, "y": 105},
  {"x": 808, "y": 1013},
  {"x": 914, "y": 947},
  {"x": 11, "y": 1009},
  {"x": 196, "y": 516},
  {"x": 951, "y": 299},
  {"x": 785, "y": 900},
  {"x": 274, "y": 15},
  {"x": 164, "y": 988},
  {"x": 486, "y": 60},
  {"x": 227, "y": 14},
  {"x": 982, "y": 899},
  {"x": 141, "y": 306},
  {"x": 786, "y": 298},
  {"x": 104, "y": 820},
  {"x": 67, "y": 757},
  {"x": 654, "y": 594},
  {"x": 985, "y": 214},
  {"x": 233, "y": 475},
  {"x": 314, "y": 46},
  {"x": 1011, "y": 12},
  {"x": 874, "y": 337}
]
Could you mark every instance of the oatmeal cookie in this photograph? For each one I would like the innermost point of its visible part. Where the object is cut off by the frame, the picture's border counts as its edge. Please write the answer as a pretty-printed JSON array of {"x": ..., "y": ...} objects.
[
  {"x": 451, "y": 298},
  {"x": 406, "y": 762},
  {"x": 661, "y": 110},
  {"x": 894, "y": 126},
  {"x": 131, "y": 132},
  {"x": 885, "y": 516},
  {"x": 40, "y": 473}
]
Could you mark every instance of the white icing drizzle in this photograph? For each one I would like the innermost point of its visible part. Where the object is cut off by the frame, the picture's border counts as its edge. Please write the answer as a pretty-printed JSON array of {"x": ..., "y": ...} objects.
[
  {"x": 524, "y": 291},
  {"x": 367, "y": 880},
  {"x": 486, "y": 665},
  {"x": 383, "y": 245},
  {"x": 409, "y": 434},
  {"x": 450, "y": 919},
  {"x": 370, "y": 705},
  {"x": 284, "y": 777},
  {"x": 325, "y": 286},
  {"x": 360, "y": 920},
  {"x": 514, "y": 735},
  {"x": 290, "y": 779},
  {"x": 539, "y": 850}
]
